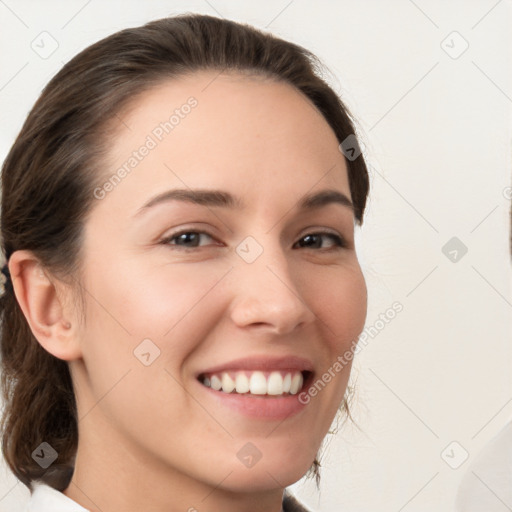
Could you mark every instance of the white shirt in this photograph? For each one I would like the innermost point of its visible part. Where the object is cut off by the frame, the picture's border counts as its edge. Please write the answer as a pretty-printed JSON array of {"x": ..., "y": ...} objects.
[
  {"x": 487, "y": 484},
  {"x": 47, "y": 499}
]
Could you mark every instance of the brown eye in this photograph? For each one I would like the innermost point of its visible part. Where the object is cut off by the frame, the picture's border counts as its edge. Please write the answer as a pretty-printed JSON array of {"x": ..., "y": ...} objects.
[
  {"x": 186, "y": 239},
  {"x": 315, "y": 241}
]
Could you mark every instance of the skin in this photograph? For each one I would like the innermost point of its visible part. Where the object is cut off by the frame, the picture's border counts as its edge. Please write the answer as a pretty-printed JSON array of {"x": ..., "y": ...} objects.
[{"x": 150, "y": 436}]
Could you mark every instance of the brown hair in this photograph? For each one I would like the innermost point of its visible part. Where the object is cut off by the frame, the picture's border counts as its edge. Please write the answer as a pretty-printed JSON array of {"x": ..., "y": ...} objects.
[{"x": 54, "y": 165}]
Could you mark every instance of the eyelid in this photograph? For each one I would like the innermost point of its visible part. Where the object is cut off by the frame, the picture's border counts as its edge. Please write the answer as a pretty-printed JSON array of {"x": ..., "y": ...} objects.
[
  {"x": 323, "y": 230},
  {"x": 195, "y": 228},
  {"x": 319, "y": 230}
]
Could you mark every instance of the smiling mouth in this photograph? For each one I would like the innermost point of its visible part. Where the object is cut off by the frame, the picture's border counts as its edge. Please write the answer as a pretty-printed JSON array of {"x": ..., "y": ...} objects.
[{"x": 257, "y": 383}]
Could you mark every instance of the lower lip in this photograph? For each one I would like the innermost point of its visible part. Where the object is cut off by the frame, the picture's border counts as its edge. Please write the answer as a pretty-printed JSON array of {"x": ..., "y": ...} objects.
[{"x": 263, "y": 406}]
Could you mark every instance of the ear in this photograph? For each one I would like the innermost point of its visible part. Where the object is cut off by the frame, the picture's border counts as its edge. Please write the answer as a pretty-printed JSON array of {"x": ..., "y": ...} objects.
[{"x": 43, "y": 306}]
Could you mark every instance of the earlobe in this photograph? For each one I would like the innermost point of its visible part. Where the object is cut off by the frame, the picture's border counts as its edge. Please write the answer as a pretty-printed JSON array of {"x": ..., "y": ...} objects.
[{"x": 38, "y": 298}]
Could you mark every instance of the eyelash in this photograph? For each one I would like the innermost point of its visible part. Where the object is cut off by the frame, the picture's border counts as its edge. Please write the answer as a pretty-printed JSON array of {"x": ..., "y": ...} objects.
[{"x": 339, "y": 242}]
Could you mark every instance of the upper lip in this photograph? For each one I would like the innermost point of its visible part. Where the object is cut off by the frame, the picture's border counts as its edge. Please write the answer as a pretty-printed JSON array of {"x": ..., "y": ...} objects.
[{"x": 262, "y": 363}]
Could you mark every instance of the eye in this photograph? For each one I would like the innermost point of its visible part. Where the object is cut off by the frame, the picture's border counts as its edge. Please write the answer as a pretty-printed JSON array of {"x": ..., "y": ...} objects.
[
  {"x": 314, "y": 241},
  {"x": 186, "y": 239},
  {"x": 191, "y": 239}
]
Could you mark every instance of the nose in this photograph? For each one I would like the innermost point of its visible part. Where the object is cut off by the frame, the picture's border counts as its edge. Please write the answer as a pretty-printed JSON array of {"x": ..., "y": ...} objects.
[{"x": 267, "y": 296}]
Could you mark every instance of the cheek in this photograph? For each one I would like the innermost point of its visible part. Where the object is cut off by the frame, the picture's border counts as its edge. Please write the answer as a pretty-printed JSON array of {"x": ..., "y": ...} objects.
[
  {"x": 340, "y": 299},
  {"x": 171, "y": 307}
]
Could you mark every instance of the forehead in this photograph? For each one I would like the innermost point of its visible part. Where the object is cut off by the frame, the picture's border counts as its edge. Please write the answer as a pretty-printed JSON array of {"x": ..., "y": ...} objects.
[
  {"x": 265, "y": 109},
  {"x": 245, "y": 132}
]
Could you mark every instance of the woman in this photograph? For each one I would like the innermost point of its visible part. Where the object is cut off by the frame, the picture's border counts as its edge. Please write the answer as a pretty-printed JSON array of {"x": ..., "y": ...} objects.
[{"x": 178, "y": 220}]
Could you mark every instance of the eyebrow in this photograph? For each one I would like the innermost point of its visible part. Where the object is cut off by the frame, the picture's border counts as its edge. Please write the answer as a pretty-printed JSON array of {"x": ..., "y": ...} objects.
[{"x": 224, "y": 199}]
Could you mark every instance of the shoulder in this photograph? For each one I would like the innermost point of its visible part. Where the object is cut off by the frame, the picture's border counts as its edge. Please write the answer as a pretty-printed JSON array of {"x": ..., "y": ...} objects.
[
  {"x": 491, "y": 469},
  {"x": 291, "y": 504}
]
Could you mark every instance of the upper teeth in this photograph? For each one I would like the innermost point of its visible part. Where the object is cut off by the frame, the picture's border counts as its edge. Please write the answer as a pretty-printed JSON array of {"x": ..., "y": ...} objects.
[{"x": 256, "y": 383}]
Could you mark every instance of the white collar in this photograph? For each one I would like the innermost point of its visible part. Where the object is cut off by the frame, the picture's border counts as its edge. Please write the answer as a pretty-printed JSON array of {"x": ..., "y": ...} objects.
[{"x": 45, "y": 498}]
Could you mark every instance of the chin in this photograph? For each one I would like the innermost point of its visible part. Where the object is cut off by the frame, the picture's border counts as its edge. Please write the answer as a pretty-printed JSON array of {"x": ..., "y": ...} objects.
[
  {"x": 273, "y": 473},
  {"x": 259, "y": 481}
]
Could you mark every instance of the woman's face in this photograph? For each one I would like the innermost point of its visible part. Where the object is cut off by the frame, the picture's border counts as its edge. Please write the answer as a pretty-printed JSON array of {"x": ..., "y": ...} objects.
[{"x": 243, "y": 286}]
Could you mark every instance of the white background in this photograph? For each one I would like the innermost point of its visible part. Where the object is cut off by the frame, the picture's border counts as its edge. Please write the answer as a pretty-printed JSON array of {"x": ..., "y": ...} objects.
[{"x": 437, "y": 132}]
